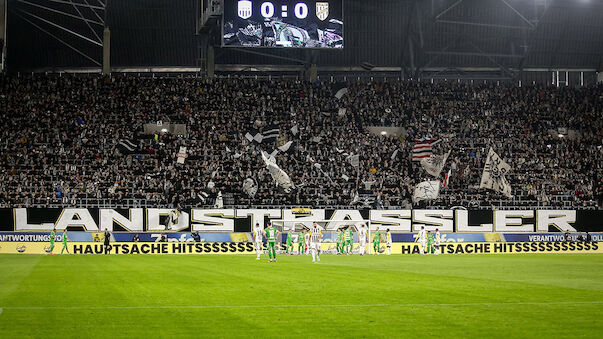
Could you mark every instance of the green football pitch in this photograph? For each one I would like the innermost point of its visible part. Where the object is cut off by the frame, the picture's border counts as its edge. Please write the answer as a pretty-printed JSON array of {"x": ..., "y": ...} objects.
[{"x": 469, "y": 296}]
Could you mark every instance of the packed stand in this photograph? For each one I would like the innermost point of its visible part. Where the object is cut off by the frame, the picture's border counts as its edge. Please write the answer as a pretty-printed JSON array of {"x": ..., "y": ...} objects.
[{"x": 61, "y": 135}]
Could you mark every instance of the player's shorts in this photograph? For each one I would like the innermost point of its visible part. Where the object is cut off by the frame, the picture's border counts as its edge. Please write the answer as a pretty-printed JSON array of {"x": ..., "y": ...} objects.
[
  {"x": 436, "y": 244},
  {"x": 423, "y": 242},
  {"x": 362, "y": 242},
  {"x": 258, "y": 244},
  {"x": 315, "y": 245},
  {"x": 389, "y": 244}
]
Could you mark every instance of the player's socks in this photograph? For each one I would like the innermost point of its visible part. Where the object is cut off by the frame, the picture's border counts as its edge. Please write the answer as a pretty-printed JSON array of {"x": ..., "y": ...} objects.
[{"x": 313, "y": 256}]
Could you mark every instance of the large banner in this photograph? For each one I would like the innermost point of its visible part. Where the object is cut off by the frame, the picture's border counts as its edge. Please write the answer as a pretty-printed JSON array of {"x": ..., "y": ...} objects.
[
  {"x": 328, "y": 248},
  {"x": 328, "y": 237},
  {"x": 241, "y": 220}
]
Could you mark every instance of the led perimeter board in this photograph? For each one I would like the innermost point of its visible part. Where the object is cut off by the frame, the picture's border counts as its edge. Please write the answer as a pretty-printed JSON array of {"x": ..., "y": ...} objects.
[{"x": 283, "y": 23}]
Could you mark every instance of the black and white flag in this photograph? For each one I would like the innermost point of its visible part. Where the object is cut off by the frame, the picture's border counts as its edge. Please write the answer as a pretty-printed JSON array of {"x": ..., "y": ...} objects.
[
  {"x": 254, "y": 136},
  {"x": 126, "y": 146},
  {"x": 271, "y": 133},
  {"x": 268, "y": 135},
  {"x": 250, "y": 187},
  {"x": 286, "y": 147},
  {"x": 493, "y": 176},
  {"x": 394, "y": 155},
  {"x": 340, "y": 89},
  {"x": 426, "y": 190},
  {"x": 434, "y": 164}
]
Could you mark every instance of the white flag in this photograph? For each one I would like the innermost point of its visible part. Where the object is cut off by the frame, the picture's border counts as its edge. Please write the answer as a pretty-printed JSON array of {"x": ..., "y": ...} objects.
[
  {"x": 434, "y": 164},
  {"x": 341, "y": 92},
  {"x": 281, "y": 178},
  {"x": 249, "y": 137},
  {"x": 354, "y": 160},
  {"x": 273, "y": 155},
  {"x": 219, "y": 201},
  {"x": 181, "y": 155},
  {"x": 295, "y": 130},
  {"x": 427, "y": 190},
  {"x": 493, "y": 176},
  {"x": 285, "y": 147},
  {"x": 395, "y": 154},
  {"x": 250, "y": 187}
]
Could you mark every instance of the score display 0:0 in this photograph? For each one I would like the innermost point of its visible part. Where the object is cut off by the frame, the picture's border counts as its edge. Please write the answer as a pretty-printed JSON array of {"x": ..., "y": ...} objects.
[{"x": 300, "y": 10}]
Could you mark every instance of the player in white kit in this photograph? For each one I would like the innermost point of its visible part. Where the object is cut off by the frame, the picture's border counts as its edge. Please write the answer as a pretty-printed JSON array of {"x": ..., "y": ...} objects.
[
  {"x": 362, "y": 239},
  {"x": 315, "y": 239},
  {"x": 422, "y": 239},
  {"x": 257, "y": 239}
]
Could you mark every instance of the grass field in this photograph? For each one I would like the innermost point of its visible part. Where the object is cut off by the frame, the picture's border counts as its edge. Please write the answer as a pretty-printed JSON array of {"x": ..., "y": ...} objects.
[{"x": 532, "y": 295}]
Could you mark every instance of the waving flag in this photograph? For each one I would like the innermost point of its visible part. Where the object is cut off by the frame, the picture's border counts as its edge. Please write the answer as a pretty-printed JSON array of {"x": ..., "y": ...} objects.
[
  {"x": 493, "y": 176},
  {"x": 250, "y": 187},
  {"x": 422, "y": 148},
  {"x": 426, "y": 190},
  {"x": 434, "y": 164},
  {"x": 126, "y": 146},
  {"x": 280, "y": 177}
]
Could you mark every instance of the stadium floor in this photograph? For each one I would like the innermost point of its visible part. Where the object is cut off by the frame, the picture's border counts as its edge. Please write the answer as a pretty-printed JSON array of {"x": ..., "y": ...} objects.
[{"x": 529, "y": 295}]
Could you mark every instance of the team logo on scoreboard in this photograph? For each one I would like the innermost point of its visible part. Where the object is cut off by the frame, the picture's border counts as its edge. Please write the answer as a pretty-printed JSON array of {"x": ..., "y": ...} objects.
[
  {"x": 244, "y": 9},
  {"x": 322, "y": 10}
]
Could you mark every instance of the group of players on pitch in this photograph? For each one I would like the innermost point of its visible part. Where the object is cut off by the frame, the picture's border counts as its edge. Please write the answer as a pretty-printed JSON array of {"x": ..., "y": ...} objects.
[{"x": 309, "y": 241}]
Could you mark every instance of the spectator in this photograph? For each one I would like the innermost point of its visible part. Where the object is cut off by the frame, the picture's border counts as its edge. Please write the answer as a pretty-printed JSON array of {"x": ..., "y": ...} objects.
[{"x": 196, "y": 236}]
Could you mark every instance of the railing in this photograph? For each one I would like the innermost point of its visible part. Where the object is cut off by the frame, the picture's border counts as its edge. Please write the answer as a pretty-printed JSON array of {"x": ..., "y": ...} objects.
[{"x": 567, "y": 203}]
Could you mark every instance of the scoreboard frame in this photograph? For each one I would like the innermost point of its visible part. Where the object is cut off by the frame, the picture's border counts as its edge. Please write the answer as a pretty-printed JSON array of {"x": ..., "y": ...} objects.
[{"x": 313, "y": 3}]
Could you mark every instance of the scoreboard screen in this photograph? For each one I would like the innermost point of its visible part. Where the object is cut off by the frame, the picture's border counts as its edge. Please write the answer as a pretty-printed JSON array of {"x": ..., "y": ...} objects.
[{"x": 283, "y": 23}]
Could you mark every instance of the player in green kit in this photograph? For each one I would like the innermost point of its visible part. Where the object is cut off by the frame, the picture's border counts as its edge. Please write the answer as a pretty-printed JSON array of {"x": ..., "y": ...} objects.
[
  {"x": 349, "y": 240},
  {"x": 290, "y": 242},
  {"x": 52, "y": 240},
  {"x": 339, "y": 241},
  {"x": 376, "y": 241},
  {"x": 65, "y": 242},
  {"x": 300, "y": 242},
  {"x": 430, "y": 241},
  {"x": 271, "y": 233}
]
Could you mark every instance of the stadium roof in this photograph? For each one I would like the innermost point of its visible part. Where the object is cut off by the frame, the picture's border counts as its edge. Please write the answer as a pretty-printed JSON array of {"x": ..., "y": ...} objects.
[{"x": 410, "y": 35}]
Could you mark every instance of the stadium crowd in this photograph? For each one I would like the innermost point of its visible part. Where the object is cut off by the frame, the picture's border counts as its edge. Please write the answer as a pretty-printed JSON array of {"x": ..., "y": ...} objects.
[{"x": 60, "y": 143}]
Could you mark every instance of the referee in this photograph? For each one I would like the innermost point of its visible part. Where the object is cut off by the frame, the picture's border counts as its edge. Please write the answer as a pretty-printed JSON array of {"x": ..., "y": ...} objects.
[{"x": 107, "y": 240}]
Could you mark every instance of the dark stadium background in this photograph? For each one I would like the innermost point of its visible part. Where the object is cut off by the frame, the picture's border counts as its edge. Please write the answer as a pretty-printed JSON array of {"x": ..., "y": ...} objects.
[{"x": 470, "y": 39}]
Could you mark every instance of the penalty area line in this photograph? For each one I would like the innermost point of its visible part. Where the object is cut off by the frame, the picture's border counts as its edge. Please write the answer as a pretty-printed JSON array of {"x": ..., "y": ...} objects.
[{"x": 293, "y": 306}]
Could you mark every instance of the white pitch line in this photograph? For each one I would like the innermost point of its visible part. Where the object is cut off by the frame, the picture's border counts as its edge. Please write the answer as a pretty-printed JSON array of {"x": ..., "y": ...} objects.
[{"x": 290, "y": 306}]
